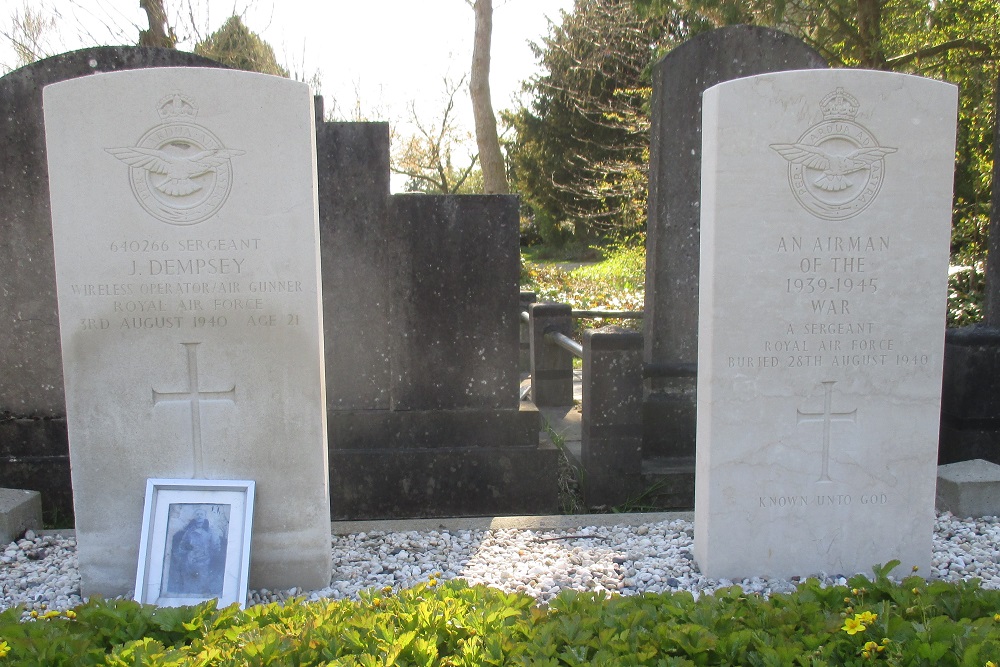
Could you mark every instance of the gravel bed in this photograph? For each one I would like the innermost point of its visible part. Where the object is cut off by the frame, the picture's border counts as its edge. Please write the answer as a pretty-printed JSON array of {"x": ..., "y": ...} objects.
[{"x": 40, "y": 572}]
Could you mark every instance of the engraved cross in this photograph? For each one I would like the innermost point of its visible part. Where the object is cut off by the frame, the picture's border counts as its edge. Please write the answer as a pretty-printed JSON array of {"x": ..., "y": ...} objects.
[
  {"x": 827, "y": 417},
  {"x": 195, "y": 397}
]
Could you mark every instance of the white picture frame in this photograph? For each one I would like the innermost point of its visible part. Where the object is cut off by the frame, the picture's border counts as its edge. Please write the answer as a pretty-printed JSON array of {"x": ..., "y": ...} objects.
[{"x": 195, "y": 543}]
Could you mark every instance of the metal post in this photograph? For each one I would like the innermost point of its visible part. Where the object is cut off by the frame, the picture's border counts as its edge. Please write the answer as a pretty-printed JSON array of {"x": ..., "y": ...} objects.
[
  {"x": 524, "y": 357},
  {"x": 551, "y": 365}
]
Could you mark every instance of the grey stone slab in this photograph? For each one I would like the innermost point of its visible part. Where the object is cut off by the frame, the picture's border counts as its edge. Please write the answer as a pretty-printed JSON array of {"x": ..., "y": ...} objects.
[
  {"x": 34, "y": 454},
  {"x": 353, "y": 162},
  {"x": 417, "y": 429},
  {"x": 443, "y": 482},
  {"x": 454, "y": 317},
  {"x": 20, "y": 510},
  {"x": 825, "y": 234},
  {"x": 612, "y": 416},
  {"x": 969, "y": 488},
  {"x": 186, "y": 240}
]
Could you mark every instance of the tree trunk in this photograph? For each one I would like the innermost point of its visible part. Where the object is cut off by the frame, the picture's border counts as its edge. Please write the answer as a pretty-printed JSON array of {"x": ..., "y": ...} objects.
[
  {"x": 870, "y": 32},
  {"x": 490, "y": 158},
  {"x": 158, "y": 34}
]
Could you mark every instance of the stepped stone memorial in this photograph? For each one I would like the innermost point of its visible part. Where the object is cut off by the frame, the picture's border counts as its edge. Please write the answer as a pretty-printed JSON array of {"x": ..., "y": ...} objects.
[
  {"x": 826, "y": 210},
  {"x": 185, "y": 232}
]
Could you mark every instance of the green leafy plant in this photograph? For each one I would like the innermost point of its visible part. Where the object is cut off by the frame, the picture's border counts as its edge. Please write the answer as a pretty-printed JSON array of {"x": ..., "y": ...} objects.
[{"x": 875, "y": 620}]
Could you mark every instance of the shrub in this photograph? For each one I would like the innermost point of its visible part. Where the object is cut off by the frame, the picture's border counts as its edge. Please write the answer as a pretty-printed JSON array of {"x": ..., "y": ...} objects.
[{"x": 867, "y": 622}]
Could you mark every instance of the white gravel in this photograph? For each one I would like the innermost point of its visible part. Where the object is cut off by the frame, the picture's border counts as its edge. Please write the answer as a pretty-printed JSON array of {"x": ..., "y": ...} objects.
[{"x": 40, "y": 572}]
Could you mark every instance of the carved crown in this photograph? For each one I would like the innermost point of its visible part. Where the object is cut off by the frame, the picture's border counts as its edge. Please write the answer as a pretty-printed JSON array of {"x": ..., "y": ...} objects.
[
  {"x": 177, "y": 107},
  {"x": 840, "y": 105}
]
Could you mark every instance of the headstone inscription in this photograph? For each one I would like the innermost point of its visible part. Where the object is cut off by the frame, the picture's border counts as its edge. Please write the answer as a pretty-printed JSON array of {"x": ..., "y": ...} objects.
[
  {"x": 826, "y": 207},
  {"x": 185, "y": 231}
]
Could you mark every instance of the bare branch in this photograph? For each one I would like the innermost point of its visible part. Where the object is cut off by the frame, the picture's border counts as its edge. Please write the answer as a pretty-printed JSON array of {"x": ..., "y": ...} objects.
[{"x": 938, "y": 49}]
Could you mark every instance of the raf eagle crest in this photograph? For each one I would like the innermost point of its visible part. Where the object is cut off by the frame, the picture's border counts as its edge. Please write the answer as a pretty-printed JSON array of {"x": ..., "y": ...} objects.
[
  {"x": 836, "y": 168},
  {"x": 179, "y": 171}
]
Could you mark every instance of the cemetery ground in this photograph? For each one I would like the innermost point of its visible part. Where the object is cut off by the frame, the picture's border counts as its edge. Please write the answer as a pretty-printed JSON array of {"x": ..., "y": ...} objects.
[{"x": 474, "y": 592}]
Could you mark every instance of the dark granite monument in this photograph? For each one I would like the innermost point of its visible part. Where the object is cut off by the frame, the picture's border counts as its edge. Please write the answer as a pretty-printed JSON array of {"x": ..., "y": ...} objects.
[
  {"x": 422, "y": 346},
  {"x": 970, "y": 392},
  {"x": 673, "y": 230}
]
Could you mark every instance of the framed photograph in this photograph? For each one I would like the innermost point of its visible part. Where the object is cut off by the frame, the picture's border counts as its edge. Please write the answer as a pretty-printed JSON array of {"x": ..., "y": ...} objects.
[{"x": 195, "y": 543}]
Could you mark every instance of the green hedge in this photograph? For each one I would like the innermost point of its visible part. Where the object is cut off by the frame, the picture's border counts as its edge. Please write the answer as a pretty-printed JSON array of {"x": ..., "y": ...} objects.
[{"x": 865, "y": 623}]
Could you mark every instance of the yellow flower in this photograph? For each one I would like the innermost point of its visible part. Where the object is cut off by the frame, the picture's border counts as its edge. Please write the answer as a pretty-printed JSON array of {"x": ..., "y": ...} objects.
[
  {"x": 990, "y": 663},
  {"x": 377, "y": 602},
  {"x": 4, "y": 649},
  {"x": 70, "y": 613},
  {"x": 996, "y": 617},
  {"x": 870, "y": 646},
  {"x": 50, "y": 614},
  {"x": 853, "y": 626},
  {"x": 847, "y": 600},
  {"x": 432, "y": 581},
  {"x": 867, "y": 617},
  {"x": 885, "y": 641},
  {"x": 866, "y": 655},
  {"x": 33, "y": 614},
  {"x": 387, "y": 589}
]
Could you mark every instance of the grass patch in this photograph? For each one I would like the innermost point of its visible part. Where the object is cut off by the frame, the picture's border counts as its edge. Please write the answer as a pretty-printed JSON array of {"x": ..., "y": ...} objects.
[
  {"x": 615, "y": 283},
  {"x": 542, "y": 253},
  {"x": 570, "y": 493}
]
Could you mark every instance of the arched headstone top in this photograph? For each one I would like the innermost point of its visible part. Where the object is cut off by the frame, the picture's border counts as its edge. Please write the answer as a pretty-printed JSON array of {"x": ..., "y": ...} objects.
[
  {"x": 94, "y": 60},
  {"x": 739, "y": 47}
]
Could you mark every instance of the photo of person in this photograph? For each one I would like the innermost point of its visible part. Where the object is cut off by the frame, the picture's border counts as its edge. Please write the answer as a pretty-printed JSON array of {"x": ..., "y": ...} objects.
[{"x": 194, "y": 560}]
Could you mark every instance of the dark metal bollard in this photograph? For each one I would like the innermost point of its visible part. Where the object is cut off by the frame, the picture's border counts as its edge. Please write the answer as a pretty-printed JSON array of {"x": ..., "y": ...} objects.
[
  {"x": 612, "y": 415},
  {"x": 551, "y": 365},
  {"x": 524, "y": 357}
]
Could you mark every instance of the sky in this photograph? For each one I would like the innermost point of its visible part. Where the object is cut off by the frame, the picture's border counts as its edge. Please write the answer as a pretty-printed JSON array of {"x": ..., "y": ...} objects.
[{"x": 379, "y": 54}]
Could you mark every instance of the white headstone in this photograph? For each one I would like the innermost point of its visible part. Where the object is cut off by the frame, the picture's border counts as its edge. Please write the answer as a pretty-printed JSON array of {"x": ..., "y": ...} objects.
[
  {"x": 826, "y": 217},
  {"x": 184, "y": 219}
]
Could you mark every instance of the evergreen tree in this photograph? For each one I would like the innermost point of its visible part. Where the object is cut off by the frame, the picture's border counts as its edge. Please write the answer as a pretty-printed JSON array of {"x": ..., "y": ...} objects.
[
  {"x": 235, "y": 45},
  {"x": 580, "y": 154}
]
